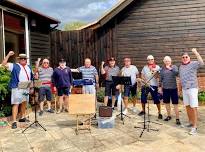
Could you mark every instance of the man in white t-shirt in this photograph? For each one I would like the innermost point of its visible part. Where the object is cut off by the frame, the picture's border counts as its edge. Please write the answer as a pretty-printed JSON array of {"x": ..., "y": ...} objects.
[
  {"x": 130, "y": 71},
  {"x": 149, "y": 74},
  {"x": 21, "y": 76}
]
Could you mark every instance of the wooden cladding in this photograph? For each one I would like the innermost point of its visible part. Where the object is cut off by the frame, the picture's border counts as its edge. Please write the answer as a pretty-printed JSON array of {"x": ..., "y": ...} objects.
[
  {"x": 75, "y": 46},
  {"x": 157, "y": 27},
  {"x": 40, "y": 46},
  {"x": 160, "y": 28}
]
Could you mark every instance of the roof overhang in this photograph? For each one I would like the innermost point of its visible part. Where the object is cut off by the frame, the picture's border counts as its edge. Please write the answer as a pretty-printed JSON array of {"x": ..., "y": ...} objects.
[{"x": 27, "y": 10}]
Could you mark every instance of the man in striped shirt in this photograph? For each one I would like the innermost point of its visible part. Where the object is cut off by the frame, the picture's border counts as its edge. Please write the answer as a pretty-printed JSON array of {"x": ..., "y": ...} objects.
[
  {"x": 90, "y": 77},
  {"x": 188, "y": 77},
  {"x": 44, "y": 74}
]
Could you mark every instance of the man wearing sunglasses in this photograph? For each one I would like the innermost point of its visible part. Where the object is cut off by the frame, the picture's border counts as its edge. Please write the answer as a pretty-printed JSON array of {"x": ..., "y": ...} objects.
[
  {"x": 44, "y": 74},
  {"x": 21, "y": 73},
  {"x": 188, "y": 78}
]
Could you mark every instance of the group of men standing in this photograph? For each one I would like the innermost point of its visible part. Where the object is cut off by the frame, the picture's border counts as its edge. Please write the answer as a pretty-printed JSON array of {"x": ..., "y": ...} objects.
[{"x": 156, "y": 81}]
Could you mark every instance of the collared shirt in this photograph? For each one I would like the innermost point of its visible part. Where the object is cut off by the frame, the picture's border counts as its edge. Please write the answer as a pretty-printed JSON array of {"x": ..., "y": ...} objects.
[
  {"x": 130, "y": 71},
  {"x": 45, "y": 75},
  {"x": 23, "y": 75},
  {"x": 88, "y": 72},
  {"x": 168, "y": 77},
  {"x": 188, "y": 74},
  {"x": 148, "y": 75},
  {"x": 114, "y": 71}
]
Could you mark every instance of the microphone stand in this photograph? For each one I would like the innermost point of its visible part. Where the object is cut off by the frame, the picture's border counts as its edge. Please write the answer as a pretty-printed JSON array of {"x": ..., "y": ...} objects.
[
  {"x": 146, "y": 123},
  {"x": 36, "y": 122}
]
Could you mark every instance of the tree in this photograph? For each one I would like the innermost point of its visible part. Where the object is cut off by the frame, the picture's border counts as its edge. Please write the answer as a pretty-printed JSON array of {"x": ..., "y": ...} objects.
[{"x": 73, "y": 25}]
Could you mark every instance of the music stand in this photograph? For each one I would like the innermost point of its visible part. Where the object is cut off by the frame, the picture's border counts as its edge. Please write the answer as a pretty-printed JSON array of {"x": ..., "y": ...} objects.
[
  {"x": 36, "y": 122},
  {"x": 121, "y": 80}
]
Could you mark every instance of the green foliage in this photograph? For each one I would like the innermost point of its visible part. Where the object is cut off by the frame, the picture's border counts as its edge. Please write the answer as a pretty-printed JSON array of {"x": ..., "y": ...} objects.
[
  {"x": 201, "y": 97},
  {"x": 4, "y": 81},
  {"x": 73, "y": 25},
  {"x": 6, "y": 110},
  {"x": 100, "y": 94}
]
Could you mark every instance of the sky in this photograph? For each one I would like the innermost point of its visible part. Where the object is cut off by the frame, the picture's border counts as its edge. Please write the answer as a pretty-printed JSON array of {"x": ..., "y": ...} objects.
[{"x": 71, "y": 10}]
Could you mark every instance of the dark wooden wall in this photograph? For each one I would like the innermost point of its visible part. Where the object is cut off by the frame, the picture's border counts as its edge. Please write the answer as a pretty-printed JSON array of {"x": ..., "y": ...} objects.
[
  {"x": 157, "y": 27},
  {"x": 39, "y": 46},
  {"x": 160, "y": 28},
  {"x": 75, "y": 46}
]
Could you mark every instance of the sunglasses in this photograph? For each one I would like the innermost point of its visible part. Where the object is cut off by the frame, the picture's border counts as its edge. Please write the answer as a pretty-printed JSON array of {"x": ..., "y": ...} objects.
[
  {"x": 45, "y": 63},
  {"x": 23, "y": 58},
  {"x": 185, "y": 57},
  {"x": 150, "y": 59}
]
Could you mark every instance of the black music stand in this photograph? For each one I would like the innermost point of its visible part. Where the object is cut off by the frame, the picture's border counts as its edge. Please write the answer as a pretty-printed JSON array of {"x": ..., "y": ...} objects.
[
  {"x": 36, "y": 122},
  {"x": 121, "y": 80}
]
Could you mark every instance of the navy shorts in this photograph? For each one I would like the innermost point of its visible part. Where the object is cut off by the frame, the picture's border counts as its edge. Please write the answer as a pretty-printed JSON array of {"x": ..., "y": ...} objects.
[
  {"x": 45, "y": 92},
  {"x": 130, "y": 89},
  {"x": 154, "y": 93},
  {"x": 63, "y": 91},
  {"x": 170, "y": 94},
  {"x": 110, "y": 88}
]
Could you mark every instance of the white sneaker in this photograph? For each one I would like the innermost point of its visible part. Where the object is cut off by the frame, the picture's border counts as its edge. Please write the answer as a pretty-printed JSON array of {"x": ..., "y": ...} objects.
[
  {"x": 125, "y": 111},
  {"x": 193, "y": 131},
  {"x": 134, "y": 109}
]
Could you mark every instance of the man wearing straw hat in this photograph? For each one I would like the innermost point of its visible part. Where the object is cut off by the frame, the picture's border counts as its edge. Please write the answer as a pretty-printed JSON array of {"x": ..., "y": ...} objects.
[{"x": 21, "y": 76}]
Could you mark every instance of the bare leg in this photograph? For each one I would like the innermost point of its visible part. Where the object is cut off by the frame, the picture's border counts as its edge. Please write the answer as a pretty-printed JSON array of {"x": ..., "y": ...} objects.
[
  {"x": 105, "y": 100},
  {"x": 14, "y": 111},
  {"x": 143, "y": 107},
  {"x": 126, "y": 102},
  {"x": 113, "y": 101},
  {"x": 41, "y": 105},
  {"x": 66, "y": 102},
  {"x": 168, "y": 108},
  {"x": 23, "y": 109},
  {"x": 159, "y": 108},
  {"x": 176, "y": 109},
  {"x": 195, "y": 116},
  {"x": 61, "y": 102},
  {"x": 188, "y": 109},
  {"x": 134, "y": 101},
  {"x": 49, "y": 104}
]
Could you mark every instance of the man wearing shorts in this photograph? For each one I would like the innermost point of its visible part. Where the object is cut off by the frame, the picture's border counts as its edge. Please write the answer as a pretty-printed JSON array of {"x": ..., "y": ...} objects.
[
  {"x": 44, "y": 74},
  {"x": 168, "y": 87},
  {"x": 21, "y": 73},
  {"x": 147, "y": 74},
  {"x": 130, "y": 70},
  {"x": 62, "y": 80},
  {"x": 188, "y": 78},
  {"x": 110, "y": 88}
]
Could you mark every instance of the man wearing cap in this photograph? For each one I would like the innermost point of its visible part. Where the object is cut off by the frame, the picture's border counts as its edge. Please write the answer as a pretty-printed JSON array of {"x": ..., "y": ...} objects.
[
  {"x": 110, "y": 89},
  {"x": 44, "y": 74},
  {"x": 90, "y": 77},
  {"x": 149, "y": 75},
  {"x": 188, "y": 77},
  {"x": 129, "y": 70},
  {"x": 62, "y": 80},
  {"x": 21, "y": 76}
]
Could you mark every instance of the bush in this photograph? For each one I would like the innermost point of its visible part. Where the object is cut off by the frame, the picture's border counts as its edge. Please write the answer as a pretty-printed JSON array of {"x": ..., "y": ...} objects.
[
  {"x": 4, "y": 81},
  {"x": 100, "y": 94},
  {"x": 201, "y": 97}
]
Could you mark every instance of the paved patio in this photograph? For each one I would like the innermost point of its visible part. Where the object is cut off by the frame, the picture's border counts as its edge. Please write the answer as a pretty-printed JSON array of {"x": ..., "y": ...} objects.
[{"x": 61, "y": 136}]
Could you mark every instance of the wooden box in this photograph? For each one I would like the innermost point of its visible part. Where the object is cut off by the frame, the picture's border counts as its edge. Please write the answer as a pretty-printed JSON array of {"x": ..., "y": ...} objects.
[{"x": 81, "y": 104}]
